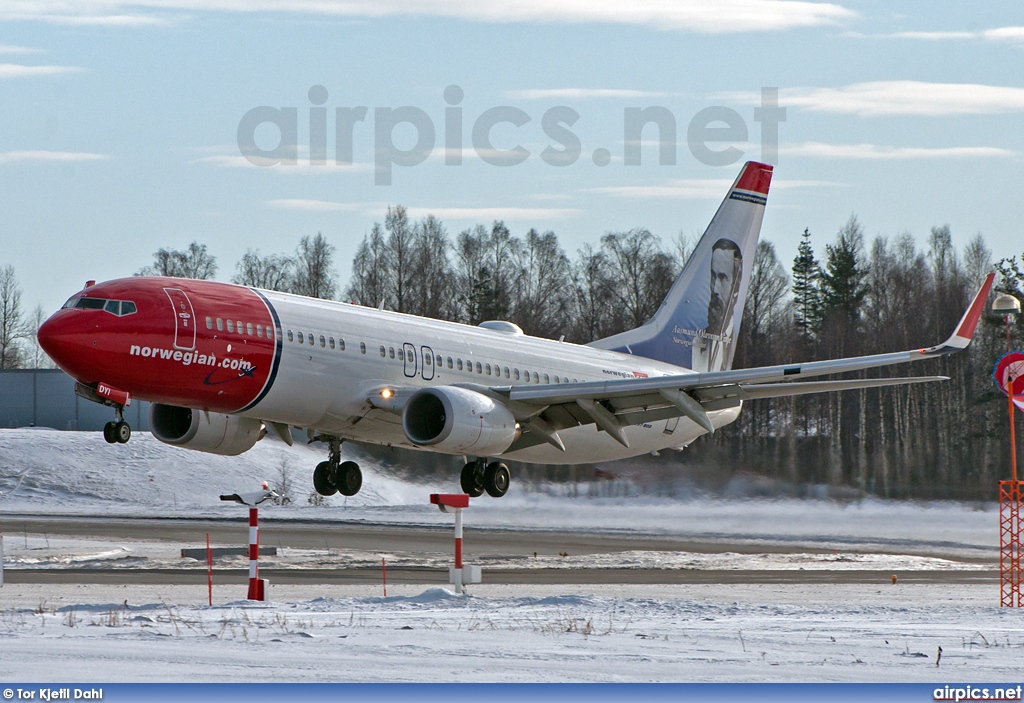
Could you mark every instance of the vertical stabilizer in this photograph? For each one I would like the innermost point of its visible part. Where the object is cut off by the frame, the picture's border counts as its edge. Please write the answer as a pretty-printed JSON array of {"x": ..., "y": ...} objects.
[{"x": 698, "y": 323}]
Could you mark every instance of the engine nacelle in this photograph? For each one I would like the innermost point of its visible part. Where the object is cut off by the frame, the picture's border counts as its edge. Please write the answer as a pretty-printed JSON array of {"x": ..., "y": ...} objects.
[
  {"x": 215, "y": 433},
  {"x": 458, "y": 421}
]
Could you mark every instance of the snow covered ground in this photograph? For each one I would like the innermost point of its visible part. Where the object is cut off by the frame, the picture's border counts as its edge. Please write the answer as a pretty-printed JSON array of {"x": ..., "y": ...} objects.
[{"x": 712, "y": 632}]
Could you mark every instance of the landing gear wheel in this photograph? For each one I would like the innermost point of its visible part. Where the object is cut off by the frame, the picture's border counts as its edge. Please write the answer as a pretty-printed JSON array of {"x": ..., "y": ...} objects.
[
  {"x": 496, "y": 479},
  {"x": 323, "y": 479},
  {"x": 472, "y": 479},
  {"x": 109, "y": 433},
  {"x": 349, "y": 479},
  {"x": 122, "y": 432}
]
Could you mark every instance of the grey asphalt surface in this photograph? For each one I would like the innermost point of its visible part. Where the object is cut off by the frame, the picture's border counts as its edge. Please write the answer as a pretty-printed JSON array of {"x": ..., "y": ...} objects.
[{"x": 390, "y": 538}]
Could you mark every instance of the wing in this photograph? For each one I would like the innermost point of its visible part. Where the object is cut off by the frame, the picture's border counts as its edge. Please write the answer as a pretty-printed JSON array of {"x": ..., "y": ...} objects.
[
  {"x": 612, "y": 405},
  {"x": 615, "y": 404}
]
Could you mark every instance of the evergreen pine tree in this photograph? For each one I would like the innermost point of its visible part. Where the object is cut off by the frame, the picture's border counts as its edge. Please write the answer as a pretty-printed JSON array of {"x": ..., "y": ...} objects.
[{"x": 806, "y": 293}]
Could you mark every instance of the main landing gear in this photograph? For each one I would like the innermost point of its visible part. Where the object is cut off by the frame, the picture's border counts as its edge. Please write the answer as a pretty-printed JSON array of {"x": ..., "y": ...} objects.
[
  {"x": 479, "y": 476},
  {"x": 334, "y": 475},
  {"x": 119, "y": 431}
]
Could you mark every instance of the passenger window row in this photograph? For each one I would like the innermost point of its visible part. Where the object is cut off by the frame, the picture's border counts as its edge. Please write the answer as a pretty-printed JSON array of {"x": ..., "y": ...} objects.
[
  {"x": 468, "y": 366},
  {"x": 239, "y": 327}
]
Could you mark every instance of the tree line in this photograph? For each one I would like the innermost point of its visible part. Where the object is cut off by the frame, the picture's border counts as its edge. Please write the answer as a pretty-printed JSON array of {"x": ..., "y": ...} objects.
[{"x": 935, "y": 440}]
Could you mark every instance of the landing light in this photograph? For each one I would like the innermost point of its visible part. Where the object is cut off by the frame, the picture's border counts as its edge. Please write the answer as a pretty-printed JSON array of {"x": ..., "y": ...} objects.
[{"x": 386, "y": 393}]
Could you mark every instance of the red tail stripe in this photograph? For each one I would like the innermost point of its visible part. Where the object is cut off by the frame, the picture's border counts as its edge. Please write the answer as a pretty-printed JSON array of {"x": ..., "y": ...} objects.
[{"x": 756, "y": 177}]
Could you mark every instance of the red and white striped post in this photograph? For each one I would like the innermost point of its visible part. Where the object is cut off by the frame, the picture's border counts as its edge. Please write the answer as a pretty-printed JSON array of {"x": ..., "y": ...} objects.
[
  {"x": 455, "y": 502},
  {"x": 255, "y": 586}
]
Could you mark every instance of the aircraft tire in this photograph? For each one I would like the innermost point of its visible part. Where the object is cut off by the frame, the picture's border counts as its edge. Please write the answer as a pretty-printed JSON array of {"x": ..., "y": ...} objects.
[
  {"x": 322, "y": 482},
  {"x": 349, "y": 478},
  {"x": 122, "y": 432},
  {"x": 109, "y": 433},
  {"x": 496, "y": 479},
  {"x": 472, "y": 480}
]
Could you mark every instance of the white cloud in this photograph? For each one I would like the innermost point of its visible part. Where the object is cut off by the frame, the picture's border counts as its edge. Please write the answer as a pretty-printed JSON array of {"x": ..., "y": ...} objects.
[
  {"x": 444, "y": 213},
  {"x": 876, "y": 152},
  {"x": 494, "y": 213},
  {"x": 720, "y": 17},
  {"x": 698, "y": 189},
  {"x": 997, "y": 34},
  {"x": 20, "y": 50},
  {"x": 301, "y": 167},
  {"x": 14, "y": 70},
  {"x": 879, "y": 98},
  {"x": 315, "y": 205},
  {"x": 64, "y": 156},
  {"x": 579, "y": 94}
]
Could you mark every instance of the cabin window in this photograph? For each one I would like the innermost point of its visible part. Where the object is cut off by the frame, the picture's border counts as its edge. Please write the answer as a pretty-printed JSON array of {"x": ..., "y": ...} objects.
[
  {"x": 323, "y": 342},
  {"x": 391, "y": 352},
  {"x": 90, "y": 303},
  {"x": 515, "y": 374},
  {"x": 362, "y": 347},
  {"x": 259, "y": 330},
  {"x": 428, "y": 360},
  {"x": 547, "y": 379},
  {"x": 209, "y": 322},
  {"x": 127, "y": 307},
  {"x": 248, "y": 328},
  {"x": 301, "y": 337},
  {"x": 231, "y": 326},
  {"x": 113, "y": 306},
  {"x": 291, "y": 337},
  {"x": 401, "y": 355},
  {"x": 536, "y": 377},
  {"x": 487, "y": 369},
  {"x": 556, "y": 380},
  {"x": 479, "y": 367},
  {"x": 458, "y": 364},
  {"x": 507, "y": 374},
  {"x": 439, "y": 360},
  {"x": 311, "y": 339},
  {"x": 330, "y": 342},
  {"x": 341, "y": 344},
  {"x": 238, "y": 326},
  {"x": 220, "y": 325},
  {"x": 450, "y": 364},
  {"x": 383, "y": 351}
]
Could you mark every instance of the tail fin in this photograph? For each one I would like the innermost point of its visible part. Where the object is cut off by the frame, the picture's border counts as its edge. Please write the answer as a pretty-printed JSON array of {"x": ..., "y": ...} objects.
[{"x": 699, "y": 321}]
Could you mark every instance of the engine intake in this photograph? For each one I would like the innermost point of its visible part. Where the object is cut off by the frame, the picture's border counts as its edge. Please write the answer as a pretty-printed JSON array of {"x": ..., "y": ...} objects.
[
  {"x": 214, "y": 433},
  {"x": 458, "y": 421}
]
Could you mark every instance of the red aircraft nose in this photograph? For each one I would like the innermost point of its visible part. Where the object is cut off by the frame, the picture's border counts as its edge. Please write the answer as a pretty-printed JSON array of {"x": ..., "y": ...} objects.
[{"x": 61, "y": 338}]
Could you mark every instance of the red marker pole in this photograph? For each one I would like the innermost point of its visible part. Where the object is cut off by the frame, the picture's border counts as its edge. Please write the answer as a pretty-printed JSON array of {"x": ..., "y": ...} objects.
[
  {"x": 209, "y": 568},
  {"x": 458, "y": 549},
  {"x": 254, "y": 554}
]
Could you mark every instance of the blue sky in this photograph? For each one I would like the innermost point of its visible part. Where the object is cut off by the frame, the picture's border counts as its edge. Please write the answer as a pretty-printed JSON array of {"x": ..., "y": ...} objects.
[{"x": 119, "y": 121}]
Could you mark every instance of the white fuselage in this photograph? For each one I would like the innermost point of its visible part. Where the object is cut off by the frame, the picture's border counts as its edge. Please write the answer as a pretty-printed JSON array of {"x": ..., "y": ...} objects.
[{"x": 327, "y": 389}]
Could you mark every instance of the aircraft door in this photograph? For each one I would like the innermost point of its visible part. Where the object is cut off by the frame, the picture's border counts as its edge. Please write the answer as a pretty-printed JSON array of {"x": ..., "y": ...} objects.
[
  {"x": 410, "y": 359},
  {"x": 184, "y": 319},
  {"x": 428, "y": 363}
]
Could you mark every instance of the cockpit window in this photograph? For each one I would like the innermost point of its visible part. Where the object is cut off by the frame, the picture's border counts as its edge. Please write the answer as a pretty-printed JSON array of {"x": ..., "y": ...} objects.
[{"x": 114, "y": 307}]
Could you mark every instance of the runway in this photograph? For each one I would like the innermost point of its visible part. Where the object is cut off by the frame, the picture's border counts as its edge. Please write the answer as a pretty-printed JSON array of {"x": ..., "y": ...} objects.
[{"x": 489, "y": 547}]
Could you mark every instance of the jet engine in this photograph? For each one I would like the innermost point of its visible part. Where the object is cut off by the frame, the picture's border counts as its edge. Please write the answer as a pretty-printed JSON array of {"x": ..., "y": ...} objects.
[
  {"x": 215, "y": 433},
  {"x": 458, "y": 421}
]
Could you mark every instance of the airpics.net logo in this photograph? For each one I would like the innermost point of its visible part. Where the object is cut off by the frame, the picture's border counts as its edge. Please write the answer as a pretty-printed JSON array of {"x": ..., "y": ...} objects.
[
  {"x": 712, "y": 134},
  {"x": 187, "y": 358}
]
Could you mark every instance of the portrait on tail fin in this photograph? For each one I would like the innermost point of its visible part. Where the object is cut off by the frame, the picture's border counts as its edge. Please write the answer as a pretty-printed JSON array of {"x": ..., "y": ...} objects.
[{"x": 716, "y": 347}]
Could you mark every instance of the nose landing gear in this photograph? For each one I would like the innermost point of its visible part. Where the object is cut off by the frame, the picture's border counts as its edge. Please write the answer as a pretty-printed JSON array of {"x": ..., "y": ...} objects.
[
  {"x": 119, "y": 431},
  {"x": 334, "y": 475}
]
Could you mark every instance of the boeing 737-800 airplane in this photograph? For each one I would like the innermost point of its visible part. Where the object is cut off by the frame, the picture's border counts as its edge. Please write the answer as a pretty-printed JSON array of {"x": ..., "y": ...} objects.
[{"x": 222, "y": 363}]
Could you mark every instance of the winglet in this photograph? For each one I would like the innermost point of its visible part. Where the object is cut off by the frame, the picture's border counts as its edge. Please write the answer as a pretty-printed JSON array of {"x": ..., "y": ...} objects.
[{"x": 964, "y": 331}]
